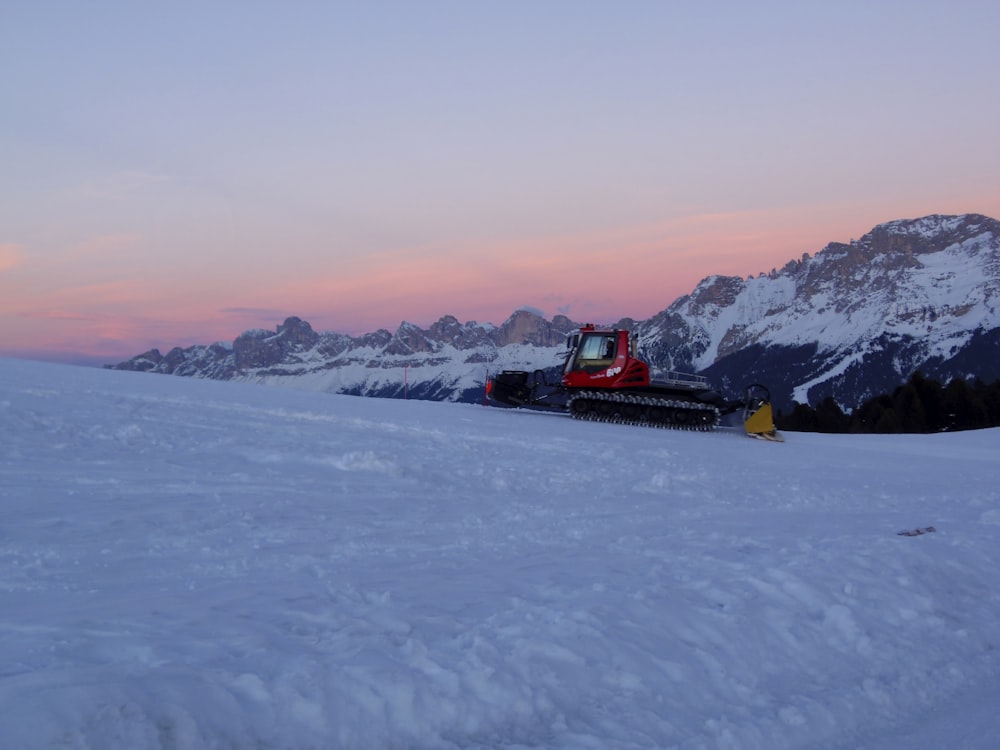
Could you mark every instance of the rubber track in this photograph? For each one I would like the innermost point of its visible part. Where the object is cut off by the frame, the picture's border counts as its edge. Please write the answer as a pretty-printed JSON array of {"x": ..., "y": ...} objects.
[{"x": 635, "y": 409}]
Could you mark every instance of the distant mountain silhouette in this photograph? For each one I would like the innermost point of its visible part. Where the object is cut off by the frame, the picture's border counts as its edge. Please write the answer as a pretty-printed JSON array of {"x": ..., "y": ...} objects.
[{"x": 850, "y": 322}]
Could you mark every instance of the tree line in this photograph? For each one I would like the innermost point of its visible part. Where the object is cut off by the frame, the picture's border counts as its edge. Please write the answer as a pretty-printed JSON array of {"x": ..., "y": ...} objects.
[{"x": 920, "y": 405}]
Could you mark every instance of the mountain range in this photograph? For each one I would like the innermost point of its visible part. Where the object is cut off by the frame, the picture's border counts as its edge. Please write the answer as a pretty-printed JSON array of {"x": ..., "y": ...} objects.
[{"x": 853, "y": 321}]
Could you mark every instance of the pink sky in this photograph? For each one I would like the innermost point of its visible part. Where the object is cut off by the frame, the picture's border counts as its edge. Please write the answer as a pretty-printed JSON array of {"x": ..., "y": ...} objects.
[
  {"x": 600, "y": 277},
  {"x": 358, "y": 168}
]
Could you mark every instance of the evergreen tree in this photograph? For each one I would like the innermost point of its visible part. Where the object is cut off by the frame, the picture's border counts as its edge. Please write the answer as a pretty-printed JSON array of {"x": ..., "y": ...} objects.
[
  {"x": 801, "y": 419},
  {"x": 922, "y": 404},
  {"x": 930, "y": 394},
  {"x": 886, "y": 421},
  {"x": 870, "y": 413},
  {"x": 990, "y": 395},
  {"x": 909, "y": 409},
  {"x": 964, "y": 408},
  {"x": 830, "y": 417}
]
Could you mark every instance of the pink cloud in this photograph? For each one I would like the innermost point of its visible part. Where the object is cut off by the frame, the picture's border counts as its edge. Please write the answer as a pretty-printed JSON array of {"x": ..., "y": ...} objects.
[
  {"x": 54, "y": 315},
  {"x": 10, "y": 256}
]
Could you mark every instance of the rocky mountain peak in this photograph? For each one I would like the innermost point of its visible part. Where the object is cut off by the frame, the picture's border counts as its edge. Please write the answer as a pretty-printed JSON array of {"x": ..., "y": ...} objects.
[
  {"x": 467, "y": 336},
  {"x": 409, "y": 339},
  {"x": 526, "y": 327},
  {"x": 715, "y": 292},
  {"x": 297, "y": 333}
]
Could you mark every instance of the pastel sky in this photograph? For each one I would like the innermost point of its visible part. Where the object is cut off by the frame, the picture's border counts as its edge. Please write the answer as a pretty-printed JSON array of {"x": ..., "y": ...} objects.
[{"x": 177, "y": 173}]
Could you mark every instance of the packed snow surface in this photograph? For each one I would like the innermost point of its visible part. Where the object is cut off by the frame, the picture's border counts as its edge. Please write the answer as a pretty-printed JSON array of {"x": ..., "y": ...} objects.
[{"x": 196, "y": 564}]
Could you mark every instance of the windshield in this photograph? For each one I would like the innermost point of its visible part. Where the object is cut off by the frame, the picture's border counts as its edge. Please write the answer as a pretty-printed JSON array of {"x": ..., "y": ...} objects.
[{"x": 596, "y": 350}]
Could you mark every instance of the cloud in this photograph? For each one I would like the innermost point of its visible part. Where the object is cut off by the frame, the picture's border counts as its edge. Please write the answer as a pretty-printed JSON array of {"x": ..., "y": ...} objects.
[
  {"x": 254, "y": 312},
  {"x": 10, "y": 256},
  {"x": 533, "y": 310},
  {"x": 55, "y": 315}
]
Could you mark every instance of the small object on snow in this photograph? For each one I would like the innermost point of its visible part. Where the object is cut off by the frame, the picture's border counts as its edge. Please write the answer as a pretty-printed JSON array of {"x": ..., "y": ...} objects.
[{"x": 917, "y": 532}]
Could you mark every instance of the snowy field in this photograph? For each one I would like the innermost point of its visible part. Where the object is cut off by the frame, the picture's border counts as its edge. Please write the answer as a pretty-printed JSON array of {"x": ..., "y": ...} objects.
[{"x": 196, "y": 564}]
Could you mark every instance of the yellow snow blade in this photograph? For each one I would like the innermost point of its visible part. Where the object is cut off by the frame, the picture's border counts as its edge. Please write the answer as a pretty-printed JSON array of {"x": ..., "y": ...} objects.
[{"x": 760, "y": 424}]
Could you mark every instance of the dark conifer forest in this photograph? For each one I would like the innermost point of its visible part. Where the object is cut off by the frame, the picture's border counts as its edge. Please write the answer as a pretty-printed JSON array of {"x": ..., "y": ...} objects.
[{"x": 921, "y": 405}]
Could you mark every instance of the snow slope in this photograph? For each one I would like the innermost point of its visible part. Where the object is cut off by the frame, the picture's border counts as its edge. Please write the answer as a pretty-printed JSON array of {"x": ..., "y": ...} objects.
[{"x": 197, "y": 564}]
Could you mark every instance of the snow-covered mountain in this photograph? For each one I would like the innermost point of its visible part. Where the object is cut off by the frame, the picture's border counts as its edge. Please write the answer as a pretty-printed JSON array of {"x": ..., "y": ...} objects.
[
  {"x": 852, "y": 321},
  {"x": 447, "y": 362}
]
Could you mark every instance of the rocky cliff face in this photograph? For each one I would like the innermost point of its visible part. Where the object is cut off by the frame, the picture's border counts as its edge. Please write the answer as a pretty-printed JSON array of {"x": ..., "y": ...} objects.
[{"x": 852, "y": 321}]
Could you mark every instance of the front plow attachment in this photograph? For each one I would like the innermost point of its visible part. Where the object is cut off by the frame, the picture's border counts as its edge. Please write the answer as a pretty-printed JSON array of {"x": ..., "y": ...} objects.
[{"x": 758, "y": 415}]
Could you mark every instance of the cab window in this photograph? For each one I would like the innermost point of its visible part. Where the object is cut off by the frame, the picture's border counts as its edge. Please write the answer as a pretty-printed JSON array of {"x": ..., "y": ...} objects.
[{"x": 597, "y": 350}]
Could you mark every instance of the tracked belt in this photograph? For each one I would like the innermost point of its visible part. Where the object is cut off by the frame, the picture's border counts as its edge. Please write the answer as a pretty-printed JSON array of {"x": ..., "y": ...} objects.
[{"x": 643, "y": 410}]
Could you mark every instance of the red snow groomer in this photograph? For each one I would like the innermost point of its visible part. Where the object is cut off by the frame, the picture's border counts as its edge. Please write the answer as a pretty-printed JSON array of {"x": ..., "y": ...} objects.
[{"x": 603, "y": 380}]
